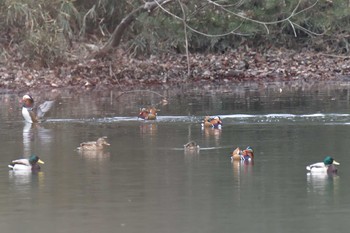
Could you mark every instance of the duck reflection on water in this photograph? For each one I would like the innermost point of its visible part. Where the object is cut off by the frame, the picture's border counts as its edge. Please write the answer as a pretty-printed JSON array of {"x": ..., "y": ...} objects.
[
  {"x": 241, "y": 171},
  {"x": 99, "y": 155},
  {"x": 212, "y": 133},
  {"x": 322, "y": 183},
  {"x": 148, "y": 129},
  {"x": 24, "y": 180},
  {"x": 33, "y": 132}
]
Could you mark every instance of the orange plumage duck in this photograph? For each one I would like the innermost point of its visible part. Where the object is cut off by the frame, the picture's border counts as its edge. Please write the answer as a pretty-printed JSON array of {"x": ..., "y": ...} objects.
[
  {"x": 148, "y": 113},
  {"x": 209, "y": 122},
  {"x": 246, "y": 155}
]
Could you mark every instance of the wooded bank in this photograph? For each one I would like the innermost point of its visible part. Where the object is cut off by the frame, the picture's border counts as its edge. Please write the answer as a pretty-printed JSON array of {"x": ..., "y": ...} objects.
[{"x": 61, "y": 42}]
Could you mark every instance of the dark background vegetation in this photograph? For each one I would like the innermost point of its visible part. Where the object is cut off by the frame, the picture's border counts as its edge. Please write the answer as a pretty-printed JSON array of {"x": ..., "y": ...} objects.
[{"x": 49, "y": 33}]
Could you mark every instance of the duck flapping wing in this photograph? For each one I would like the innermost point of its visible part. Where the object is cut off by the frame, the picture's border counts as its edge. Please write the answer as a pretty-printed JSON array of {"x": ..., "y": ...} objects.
[{"x": 44, "y": 108}]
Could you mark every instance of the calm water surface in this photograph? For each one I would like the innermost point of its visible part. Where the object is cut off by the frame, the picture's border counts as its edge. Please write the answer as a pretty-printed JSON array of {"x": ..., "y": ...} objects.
[{"x": 145, "y": 182}]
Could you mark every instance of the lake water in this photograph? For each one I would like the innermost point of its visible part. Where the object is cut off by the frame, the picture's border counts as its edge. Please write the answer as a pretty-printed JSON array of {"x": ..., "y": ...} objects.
[{"x": 145, "y": 182}]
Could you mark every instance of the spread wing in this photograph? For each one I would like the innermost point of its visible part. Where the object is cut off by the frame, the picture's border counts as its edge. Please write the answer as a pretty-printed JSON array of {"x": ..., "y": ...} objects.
[{"x": 44, "y": 108}]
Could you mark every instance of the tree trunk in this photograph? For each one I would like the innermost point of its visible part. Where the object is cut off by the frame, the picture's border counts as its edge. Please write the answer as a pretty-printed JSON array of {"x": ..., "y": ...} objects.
[{"x": 118, "y": 32}]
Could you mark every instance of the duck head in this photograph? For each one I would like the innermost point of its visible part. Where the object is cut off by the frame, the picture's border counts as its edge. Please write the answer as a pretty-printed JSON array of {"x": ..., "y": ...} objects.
[
  {"x": 248, "y": 153},
  {"x": 33, "y": 159},
  {"x": 102, "y": 142},
  {"x": 328, "y": 160},
  {"x": 153, "y": 111},
  {"x": 27, "y": 101},
  {"x": 143, "y": 113},
  {"x": 218, "y": 119},
  {"x": 250, "y": 149}
]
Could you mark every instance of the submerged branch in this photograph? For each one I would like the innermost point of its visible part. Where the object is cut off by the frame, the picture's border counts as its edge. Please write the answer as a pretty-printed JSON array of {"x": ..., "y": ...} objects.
[{"x": 153, "y": 92}]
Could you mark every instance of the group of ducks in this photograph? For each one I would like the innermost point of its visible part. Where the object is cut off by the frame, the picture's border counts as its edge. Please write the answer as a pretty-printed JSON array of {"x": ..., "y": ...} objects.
[
  {"x": 328, "y": 165},
  {"x": 34, "y": 116},
  {"x": 150, "y": 113}
]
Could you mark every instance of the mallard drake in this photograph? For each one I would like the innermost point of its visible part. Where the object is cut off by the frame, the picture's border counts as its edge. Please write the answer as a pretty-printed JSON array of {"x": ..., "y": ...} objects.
[
  {"x": 32, "y": 115},
  {"x": 30, "y": 164},
  {"x": 215, "y": 122},
  {"x": 148, "y": 113},
  {"x": 246, "y": 155},
  {"x": 328, "y": 165},
  {"x": 191, "y": 146},
  {"x": 100, "y": 144}
]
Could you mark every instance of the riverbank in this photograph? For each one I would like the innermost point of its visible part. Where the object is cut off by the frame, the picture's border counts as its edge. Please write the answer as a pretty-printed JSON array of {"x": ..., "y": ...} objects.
[{"x": 124, "y": 73}]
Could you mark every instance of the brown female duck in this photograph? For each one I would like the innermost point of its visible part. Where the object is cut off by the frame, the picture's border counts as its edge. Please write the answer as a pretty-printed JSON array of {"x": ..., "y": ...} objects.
[
  {"x": 100, "y": 144},
  {"x": 191, "y": 146}
]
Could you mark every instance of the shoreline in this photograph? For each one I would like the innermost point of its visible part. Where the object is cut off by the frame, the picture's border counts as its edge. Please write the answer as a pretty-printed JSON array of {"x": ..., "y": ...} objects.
[{"x": 236, "y": 67}]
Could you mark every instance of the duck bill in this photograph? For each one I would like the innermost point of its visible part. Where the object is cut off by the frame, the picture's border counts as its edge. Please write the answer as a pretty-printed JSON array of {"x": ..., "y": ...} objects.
[
  {"x": 40, "y": 161},
  {"x": 335, "y": 162}
]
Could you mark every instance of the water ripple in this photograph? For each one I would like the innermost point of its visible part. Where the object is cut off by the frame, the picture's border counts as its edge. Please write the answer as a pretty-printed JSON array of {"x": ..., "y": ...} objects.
[{"x": 271, "y": 118}]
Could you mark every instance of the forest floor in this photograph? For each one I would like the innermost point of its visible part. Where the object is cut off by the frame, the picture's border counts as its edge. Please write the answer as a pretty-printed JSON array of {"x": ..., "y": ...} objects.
[{"x": 123, "y": 72}]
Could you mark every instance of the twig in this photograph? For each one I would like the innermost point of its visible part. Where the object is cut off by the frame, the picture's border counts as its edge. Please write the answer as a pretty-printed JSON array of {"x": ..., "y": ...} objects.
[
  {"x": 127, "y": 92},
  {"x": 186, "y": 38}
]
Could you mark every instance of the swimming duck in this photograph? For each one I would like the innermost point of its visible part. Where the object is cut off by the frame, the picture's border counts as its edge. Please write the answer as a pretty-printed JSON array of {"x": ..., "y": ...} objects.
[
  {"x": 328, "y": 165},
  {"x": 148, "y": 113},
  {"x": 236, "y": 154},
  {"x": 191, "y": 146},
  {"x": 30, "y": 164},
  {"x": 100, "y": 144},
  {"x": 245, "y": 155},
  {"x": 32, "y": 115},
  {"x": 215, "y": 122}
]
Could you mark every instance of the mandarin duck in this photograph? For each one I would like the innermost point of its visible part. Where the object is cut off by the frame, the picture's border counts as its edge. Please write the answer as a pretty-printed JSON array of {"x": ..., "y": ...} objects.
[
  {"x": 215, "y": 122},
  {"x": 32, "y": 115},
  {"x": 148, "y": 113},
  {"x": 245, "y": 155}
]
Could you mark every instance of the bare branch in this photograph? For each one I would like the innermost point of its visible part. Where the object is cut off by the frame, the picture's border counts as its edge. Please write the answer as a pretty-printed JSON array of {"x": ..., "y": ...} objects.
[
  {"x": 291, "y": 24},
  {"x": 199, "y": 32},
  {"x": 263, "y": 23},
  {"x": 294, "y": 12},
  {"x": 307, "y": 31},
  {"x": 219, "y": 35},
  {"x": 186, "y": 38}
]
